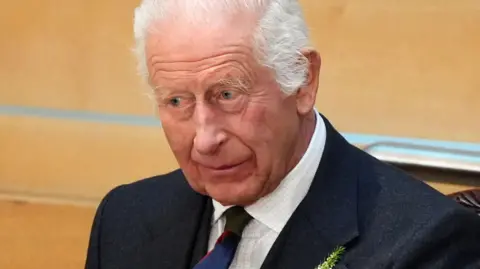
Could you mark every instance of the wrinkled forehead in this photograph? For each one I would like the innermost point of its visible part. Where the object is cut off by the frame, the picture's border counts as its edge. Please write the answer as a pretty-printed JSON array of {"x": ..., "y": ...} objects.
[
  {"x": 170, "y": 36},
  {"x": 180, "y": 38},
  {"x": 180, "y": 49}
]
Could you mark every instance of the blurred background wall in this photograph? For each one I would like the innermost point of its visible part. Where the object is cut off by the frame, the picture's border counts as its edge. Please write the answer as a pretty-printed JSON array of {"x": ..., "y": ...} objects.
[{"x": 74, "y": 120}]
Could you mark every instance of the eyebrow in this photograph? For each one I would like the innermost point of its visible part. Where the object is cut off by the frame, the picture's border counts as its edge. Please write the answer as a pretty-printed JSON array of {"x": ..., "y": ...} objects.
[
  {"x": 163, "y": 92},
  {"x": 236, "y": 82},
  {"x": 159, "y": 91},
  {"x": 229, "y": 81}
]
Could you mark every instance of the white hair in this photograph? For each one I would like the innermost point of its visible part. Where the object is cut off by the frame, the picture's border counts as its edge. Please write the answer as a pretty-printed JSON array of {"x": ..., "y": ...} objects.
[{"x": 280, "y": 35}]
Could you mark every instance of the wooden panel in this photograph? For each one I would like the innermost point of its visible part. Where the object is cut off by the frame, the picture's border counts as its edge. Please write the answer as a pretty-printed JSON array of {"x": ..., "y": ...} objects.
[
  {"x": 56, "y": 160},
  {"x": 405, "y": 68},
  {"x": 69, "y": 54},
  {"x": 36, "y": 236},
  {"x": 402, "y": 68},
  {"x": 77, "y": 159},
  {"x": 448, "y": 188}
]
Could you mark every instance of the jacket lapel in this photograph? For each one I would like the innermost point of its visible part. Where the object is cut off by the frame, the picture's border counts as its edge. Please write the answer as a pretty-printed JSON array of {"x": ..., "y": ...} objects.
[
  {"x": 178, "y": 231},
  {"x": 201, "y": 243},
  {"x": 327, "y": 217}
]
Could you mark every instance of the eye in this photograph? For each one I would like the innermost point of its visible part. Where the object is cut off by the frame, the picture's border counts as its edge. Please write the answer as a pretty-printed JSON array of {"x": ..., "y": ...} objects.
[
  {"x": 227, "y": 95},
  {"x": 175, "y": 101},
  {"x": 231, "y": 100}
]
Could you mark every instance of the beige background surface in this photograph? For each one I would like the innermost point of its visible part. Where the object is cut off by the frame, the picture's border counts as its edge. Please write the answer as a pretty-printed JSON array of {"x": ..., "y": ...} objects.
[{"x": 400, "y": 68}]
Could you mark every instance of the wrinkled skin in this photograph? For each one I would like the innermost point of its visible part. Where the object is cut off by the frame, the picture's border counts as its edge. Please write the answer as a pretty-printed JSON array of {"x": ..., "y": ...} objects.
[{"x": 233, "y": 132}]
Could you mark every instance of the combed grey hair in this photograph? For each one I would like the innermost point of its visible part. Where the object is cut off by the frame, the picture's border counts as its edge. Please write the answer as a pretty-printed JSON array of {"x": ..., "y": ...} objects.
[{"x": 280, "y": 36}]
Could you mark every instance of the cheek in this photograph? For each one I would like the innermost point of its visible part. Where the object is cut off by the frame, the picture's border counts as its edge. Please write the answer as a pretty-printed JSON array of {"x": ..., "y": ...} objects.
[
  {"x": 268, "y": 134},
  {"x": 254, "y": 127},
  {"x": 260, "y": 125},
  {"x": 257, "y": 131}
]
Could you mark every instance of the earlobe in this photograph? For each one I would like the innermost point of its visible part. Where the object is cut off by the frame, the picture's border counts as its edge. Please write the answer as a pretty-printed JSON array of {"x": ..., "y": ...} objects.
[{"x": 306, "y": 95}]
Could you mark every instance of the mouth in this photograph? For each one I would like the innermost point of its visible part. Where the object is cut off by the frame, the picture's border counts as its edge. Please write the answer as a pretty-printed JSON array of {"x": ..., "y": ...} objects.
[{"x": 224, "y": 167}]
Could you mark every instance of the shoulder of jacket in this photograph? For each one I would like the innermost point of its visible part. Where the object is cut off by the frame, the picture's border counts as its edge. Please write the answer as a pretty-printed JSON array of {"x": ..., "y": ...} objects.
[{"x": 153, "y": 190}]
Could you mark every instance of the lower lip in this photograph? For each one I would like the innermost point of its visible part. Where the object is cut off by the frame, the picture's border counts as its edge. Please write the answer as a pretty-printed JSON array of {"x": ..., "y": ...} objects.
[{"x": 227, "y": 171}]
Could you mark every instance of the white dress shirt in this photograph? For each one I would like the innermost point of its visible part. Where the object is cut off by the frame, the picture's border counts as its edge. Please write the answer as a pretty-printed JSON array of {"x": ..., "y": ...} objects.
[{"x": 271, "y": 213}]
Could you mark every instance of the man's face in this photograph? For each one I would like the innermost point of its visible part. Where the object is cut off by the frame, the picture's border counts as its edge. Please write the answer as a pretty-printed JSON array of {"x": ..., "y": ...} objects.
[{"x": 233, "y": 132}]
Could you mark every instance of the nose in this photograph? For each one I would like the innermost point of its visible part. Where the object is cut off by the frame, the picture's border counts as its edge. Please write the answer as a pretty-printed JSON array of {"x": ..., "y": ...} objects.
[
  {"x": 208, "y": 140},
  {"x": 209, "y": 135}
]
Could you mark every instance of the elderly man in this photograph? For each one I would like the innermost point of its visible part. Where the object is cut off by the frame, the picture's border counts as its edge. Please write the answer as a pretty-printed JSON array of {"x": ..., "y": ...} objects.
[{"x": 265, "y": 181}]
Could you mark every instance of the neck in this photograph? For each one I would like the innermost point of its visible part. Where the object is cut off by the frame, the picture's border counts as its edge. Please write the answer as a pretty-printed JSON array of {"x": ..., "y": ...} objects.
[{"x": 307, "y": 128}]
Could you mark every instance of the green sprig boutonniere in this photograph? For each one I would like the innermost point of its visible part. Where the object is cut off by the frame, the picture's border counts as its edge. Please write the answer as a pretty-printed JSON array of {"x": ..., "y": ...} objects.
[{"x": 333, "y": 258}]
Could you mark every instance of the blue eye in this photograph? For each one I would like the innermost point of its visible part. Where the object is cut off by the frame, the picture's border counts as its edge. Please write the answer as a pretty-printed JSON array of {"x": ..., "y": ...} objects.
[
  {"x": 227, "y": 95},
  {"x": 175, "y": 101}
]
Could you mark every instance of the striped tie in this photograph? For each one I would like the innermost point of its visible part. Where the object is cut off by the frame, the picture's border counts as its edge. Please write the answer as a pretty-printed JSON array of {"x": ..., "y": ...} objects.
[{"x": 221, "y": 256}]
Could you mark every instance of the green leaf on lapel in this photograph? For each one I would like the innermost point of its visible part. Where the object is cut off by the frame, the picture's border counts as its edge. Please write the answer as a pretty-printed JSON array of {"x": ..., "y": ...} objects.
[{"x": 333, "y": 258}]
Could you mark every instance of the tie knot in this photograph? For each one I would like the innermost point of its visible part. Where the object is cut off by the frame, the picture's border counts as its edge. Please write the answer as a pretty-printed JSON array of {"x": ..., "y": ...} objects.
[{"x": 237, "y": 219}]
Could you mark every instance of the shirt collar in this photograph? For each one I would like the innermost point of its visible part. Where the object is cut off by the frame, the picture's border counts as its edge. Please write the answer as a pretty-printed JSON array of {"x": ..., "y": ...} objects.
[{"x": 275, "y": 209}]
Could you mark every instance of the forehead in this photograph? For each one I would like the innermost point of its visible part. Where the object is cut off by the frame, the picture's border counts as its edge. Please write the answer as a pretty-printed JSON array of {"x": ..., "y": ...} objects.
[{"x": 176, "y": 45}]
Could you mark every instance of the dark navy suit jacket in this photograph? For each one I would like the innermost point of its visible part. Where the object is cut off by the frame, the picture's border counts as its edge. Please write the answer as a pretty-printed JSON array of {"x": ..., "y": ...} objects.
[{"x": 383, "y": 217}]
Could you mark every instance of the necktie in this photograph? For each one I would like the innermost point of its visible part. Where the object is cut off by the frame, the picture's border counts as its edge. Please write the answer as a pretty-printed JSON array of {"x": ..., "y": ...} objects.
[{"x": 221, "y": 256}]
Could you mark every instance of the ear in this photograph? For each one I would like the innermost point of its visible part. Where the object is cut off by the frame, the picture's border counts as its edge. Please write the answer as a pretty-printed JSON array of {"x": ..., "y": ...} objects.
[{"x": 306, "y": 94}]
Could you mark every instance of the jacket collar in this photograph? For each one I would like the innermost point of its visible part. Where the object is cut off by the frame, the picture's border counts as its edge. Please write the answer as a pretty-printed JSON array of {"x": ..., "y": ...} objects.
[{"x": 327, "y": 217}]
